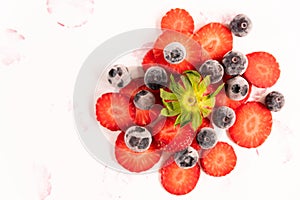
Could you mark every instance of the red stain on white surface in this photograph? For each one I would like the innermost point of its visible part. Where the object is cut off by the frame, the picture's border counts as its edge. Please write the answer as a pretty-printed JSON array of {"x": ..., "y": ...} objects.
[
  {"x": 10, "y": 46},
  {"x": 43, "y": 183},
  {"x": 70, "y": 13}
]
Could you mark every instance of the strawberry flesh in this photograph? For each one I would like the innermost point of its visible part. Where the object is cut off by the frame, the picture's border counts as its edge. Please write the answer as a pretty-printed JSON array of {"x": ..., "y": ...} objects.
[
  {"x": 135, "y": 161},
  {"x": 218, "y": 161},
  {"x": 179, "y": 181},
  {"x": 178, "y": 20},
  {"x": 263, "y": 70},
  {"x": 172, "y": 138},
  {"x": 252, "y": 126},
  {"x": 115, "y": 111},
  {"x": 216, "y": 39}
]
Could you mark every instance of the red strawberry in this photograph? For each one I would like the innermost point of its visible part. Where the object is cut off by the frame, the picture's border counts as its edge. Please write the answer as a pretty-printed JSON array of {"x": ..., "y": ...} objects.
[
  {"x": 194, "y": 52},
  {"x": 252, "y": 126},
  {"x": 135, "y": 161},
  {"x": 215, "y": 38},
  {"x": 263, "y": 70},
  {"x": 223, "y": 100},
  {"x": 218, "y": 161},
  {"x": 179, "y": 181},
  {"x": 115, "y": 111},
  {"x": 149, "y": 60},
  {"x": 178, "y": 20},
  {"x": 145, "y": 117},
  {"x": 172, "y": 138}
]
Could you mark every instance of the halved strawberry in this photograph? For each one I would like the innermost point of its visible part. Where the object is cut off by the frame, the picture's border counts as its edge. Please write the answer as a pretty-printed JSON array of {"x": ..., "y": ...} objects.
[
  {"x": 135, "y": 161},
  {"x": 194, "y": 52},
  {"x": 172, "y": 138},
  {"x": 178, "y": 20},
  {"x": 252, "y": 126},
  {"x": 115, "y": 111},
  {"x": 179, "y": 181},
  {"x": 215, "y": 38},
  {"x": 218, "y": 161},
  {"x": 263, "y": 70}
]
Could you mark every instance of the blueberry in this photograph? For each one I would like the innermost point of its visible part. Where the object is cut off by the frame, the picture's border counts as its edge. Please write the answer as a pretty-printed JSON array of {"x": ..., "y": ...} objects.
[
  {"x": 118, "y": 76},
  {"x": 137, "y": 138},
  {"x": 235, "y": 63},
  {"x": 240, "y": 25},
  {"x": 207, "y": 138},
  {"x": 274, "y": 101},
  {"x": 212, "y": 68},
  {"x": 186, "y": 158},
  {"x": 223, "y": 117},
  {"x": 144, "y": 100},
  {"x": 155, "y": 78},
  {"x": 174, "y": 53},
  {"x": 236, "y": 88}
]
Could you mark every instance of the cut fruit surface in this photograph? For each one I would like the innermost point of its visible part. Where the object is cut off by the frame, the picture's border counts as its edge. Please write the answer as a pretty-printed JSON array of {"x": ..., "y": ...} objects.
[
  {"x": 252, "y": 126},
  {"x": 218, "y": 161},
  {"x": 215, "y": 38},
  {"x": 263, "y": 70},
  {"x": 179, "y": 181},
  {"x": 135, "y": 161}
]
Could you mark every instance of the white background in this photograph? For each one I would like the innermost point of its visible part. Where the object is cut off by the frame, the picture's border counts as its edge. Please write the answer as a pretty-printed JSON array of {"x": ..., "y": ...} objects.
[{"x": 39, "y": 147}]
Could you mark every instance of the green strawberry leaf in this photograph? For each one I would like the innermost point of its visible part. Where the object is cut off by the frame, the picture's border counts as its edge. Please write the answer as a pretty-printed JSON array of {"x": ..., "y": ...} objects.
[
  {"x": 217, "y": 90},
  {"x": 196, "y": 120},
  {"x": 167, "y": 95}
]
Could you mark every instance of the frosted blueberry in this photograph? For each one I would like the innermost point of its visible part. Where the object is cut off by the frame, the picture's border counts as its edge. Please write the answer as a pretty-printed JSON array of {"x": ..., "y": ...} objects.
[
  {"x": 236, "y": 88},
  {"x": 155, "y": 78},
  {"x": 137, "y": 138},
  {"x": 223, "y": 117},
  {"x": 174, "y": 53},
  {"x": 274, "y": 101},
  {"x": 207, "y": 138},
  {"x": 212, "y": 68},
  {"x": 144, "y": 100},
  {"x": 235, "y": 63},
  {"x": 240, "y": 25},
  {"x": 118, "y": 76},
  {"x": 186, "y": 158}
]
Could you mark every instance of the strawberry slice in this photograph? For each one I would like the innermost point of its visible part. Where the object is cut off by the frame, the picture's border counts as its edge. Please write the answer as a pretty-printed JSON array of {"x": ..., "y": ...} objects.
[
  {"x": 135, "y": 161},
  {"x": 215, "y": 38},
  {"x": 252, "y": 126},
  {"x": 263, "y": 70},
  {"x": 179, "y": 181},
  {"x": 194, "y": 52},
  {"x": 218, "y": 161},
  {"x": 145, "y": 117},
  {"x": 172, "y": 138},
  {"x": 115, "y": 111},
  {"x": 149, "y": 60},
  {"x": 178, "y": 20}
]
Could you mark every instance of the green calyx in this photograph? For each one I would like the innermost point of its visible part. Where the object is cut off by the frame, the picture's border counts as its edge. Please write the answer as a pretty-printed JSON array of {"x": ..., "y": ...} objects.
[{"x": 188, "y": 99}]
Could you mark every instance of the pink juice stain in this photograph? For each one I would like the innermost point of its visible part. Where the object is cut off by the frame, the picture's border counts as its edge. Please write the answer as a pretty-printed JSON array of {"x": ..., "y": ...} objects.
[
  {"x": 43, "y": 183},
  {"x": 70, "y": 13},
  {"x": 10, "y": 47}
]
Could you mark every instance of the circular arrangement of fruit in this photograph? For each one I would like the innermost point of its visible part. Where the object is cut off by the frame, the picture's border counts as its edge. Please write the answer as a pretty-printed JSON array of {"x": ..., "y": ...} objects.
[{"x": 193, "y": 85}]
